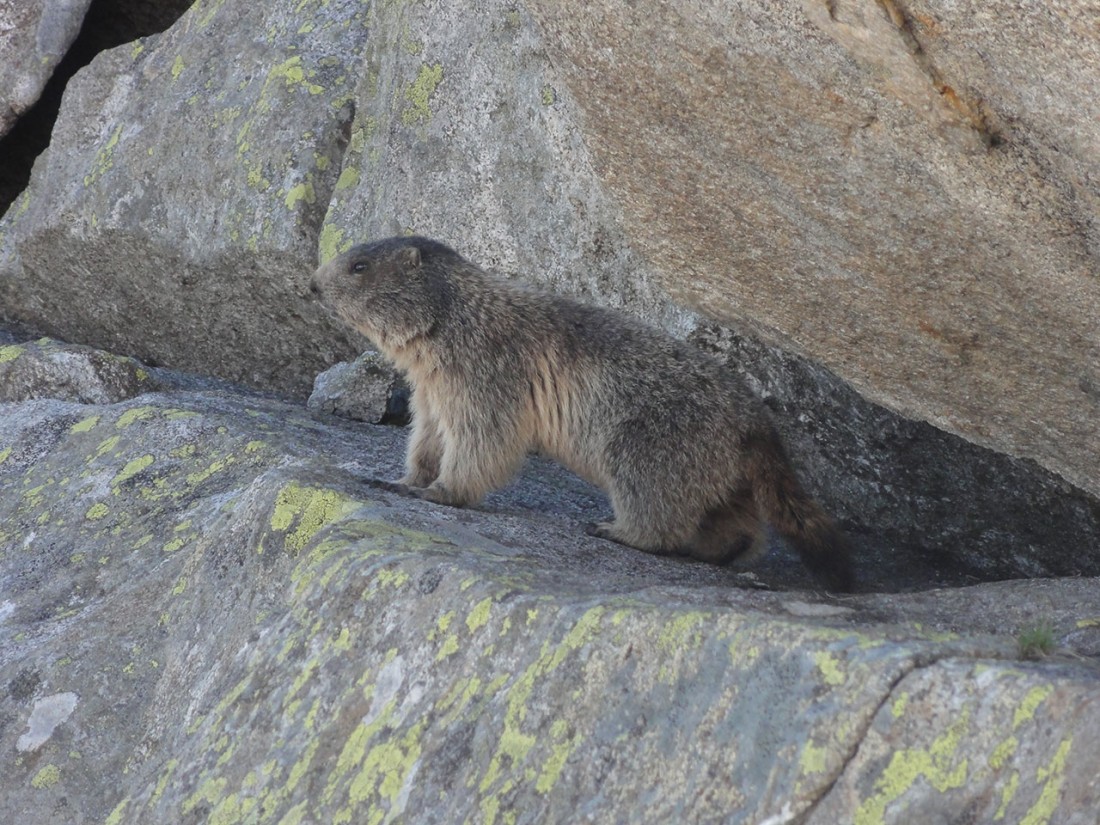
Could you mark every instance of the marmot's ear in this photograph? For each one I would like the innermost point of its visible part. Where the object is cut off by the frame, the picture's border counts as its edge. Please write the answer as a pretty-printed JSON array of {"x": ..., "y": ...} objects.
[{"x": 409, "y": 257}]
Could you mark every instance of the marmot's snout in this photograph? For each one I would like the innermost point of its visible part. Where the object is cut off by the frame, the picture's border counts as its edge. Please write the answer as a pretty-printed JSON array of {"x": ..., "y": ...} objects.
[{"x": 321, "y": 282}]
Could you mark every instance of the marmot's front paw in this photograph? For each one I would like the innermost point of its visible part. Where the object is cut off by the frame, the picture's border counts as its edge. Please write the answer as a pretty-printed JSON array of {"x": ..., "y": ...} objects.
[
  {"x": 391, "y": 486},
  {"x": 601, "y": 530},
  {"x": 435, "y": 493}
]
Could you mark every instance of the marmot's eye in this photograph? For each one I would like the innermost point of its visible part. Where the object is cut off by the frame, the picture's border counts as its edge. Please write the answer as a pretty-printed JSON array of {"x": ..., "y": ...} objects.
[{"x": 359, "y": 267}]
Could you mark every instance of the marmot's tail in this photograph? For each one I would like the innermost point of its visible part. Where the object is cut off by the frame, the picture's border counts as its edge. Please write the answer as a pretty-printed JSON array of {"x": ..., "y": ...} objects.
[{"x": 796, "y": 516}]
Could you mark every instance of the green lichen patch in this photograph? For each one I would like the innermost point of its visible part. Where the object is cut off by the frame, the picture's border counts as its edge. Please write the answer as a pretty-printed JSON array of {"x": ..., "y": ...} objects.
[
  {"x": 1052, "y": 775},
  {"x": 302, "y": 192},
  {"x": 515, "y": 743},
  {"x": 378, "y": 768},
  {"x": 47, "y": 777},
  {"x": 211, "y": 469},
  {"x": 135, "y": 414},
  {"x": 104, "y": 158},
  {"x": 561, "y": 747},
  {"x": 11, "y": 352},
  {"x": 84, "y": 425},
  {"x": 131, "y": 469},
  {"x": 105, "y": 446},
  {"x": 814, "y": 759},
  {"x": 940, "y": 765},
  {"x": 1031, "y": 702},
  {"x": 332, "y": 242},
  {"x": 300, "y": 512},
  {"x": 349, "y": 178},
  {"x": 479, "y": 615},
  {"x": 294, "y": 74},
  {"x": 116, "y": 817},
  {"x": 419, "y": 92},
  {"x": 829, "y": 667}
]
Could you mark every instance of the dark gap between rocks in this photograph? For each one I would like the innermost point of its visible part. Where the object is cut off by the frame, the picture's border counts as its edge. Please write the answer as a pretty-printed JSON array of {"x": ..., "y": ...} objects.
[
  {"x": 107, "y": 24},
  {"x": 923, "y": 508}
]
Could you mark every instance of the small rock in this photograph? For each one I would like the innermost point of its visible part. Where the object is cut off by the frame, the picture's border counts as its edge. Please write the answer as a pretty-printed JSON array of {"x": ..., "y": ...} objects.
[
  {"x": 50, "y": 369},
  {"x": 366, "y": 389}
]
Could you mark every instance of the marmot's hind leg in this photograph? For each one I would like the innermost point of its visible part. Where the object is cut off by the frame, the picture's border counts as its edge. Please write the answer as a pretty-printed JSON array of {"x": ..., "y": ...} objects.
[
  {"x": 731, "y": 531},
  {"x": 615, "y": 531},
  {"x": 653, "y": 525}
]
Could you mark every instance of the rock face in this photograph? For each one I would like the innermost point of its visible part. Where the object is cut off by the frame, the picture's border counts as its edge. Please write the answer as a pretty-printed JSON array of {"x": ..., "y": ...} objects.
[
  {"x": 883, "y": 188},
  {"x": 194, "y": 193},
  {"x": 909, "y": 192},
  {"x": 36, "y": 35},
  {"x": 887, "y": 202},
  {"x": 199, "y": 216},
  {"x": 823, "y": 199},
  {"x": 206, "y": 616}
]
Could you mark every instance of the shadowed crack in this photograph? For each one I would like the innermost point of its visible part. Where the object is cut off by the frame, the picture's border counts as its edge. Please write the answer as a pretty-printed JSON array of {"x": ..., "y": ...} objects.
[
  {"x": 882, "y": 36},
  {"x": 910, "y": 666},
  {"x": 327, "y": 179},
  {"x": 107, "y": 23},
  {"x": 973, "y": 111}
]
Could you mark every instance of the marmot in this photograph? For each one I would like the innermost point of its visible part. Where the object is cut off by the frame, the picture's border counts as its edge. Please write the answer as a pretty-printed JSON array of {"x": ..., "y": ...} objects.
[{"x": 688, "y": 455}]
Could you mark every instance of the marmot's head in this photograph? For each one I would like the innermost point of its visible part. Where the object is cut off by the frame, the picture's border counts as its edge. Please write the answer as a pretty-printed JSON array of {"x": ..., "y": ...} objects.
[{"x": 391, "y": 290}]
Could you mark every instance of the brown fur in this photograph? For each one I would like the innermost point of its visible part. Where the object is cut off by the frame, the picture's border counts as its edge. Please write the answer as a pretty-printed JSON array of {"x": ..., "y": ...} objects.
[{"x": 688, "y": 456}]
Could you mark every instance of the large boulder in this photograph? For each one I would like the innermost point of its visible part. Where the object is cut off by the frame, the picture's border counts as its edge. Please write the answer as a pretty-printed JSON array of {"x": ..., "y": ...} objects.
[
  {"x": 830, "y": 181},
  {"x": 898, "y": 196},
  {"x": 175, "y": 215},
  {"x": 207, "y": 616},
  {"x": 907, "y": 192},
  {"x": 496, "y": 133}
]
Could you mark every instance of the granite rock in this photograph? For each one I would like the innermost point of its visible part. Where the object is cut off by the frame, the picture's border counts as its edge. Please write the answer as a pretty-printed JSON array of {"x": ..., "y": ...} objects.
[
  {"x": 206, "y": 615},
  {"x": 36, "y": 35}
]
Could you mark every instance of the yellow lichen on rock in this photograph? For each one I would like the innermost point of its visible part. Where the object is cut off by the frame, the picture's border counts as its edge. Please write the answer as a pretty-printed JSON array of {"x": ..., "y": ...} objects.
[{"x": 309, "y": 509}]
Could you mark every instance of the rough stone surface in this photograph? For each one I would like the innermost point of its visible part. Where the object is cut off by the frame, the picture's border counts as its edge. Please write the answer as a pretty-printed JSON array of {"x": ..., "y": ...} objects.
[
  {"x": 72, "y": 373},
  {"x": 206, "y": 615},
  {"x": 188, "y": 189},
  {"x": 479, "y": 145},
  {"x": 106, "y": 24},
  {"x": 907, "y": 192},
  {"x": 69, "y": 372},
  {"x": 182, "y": 209},
  {"x": 365, "y": 389},
  {"x": 34, "y": 36},
  {"x": 377, "y": 657}
]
